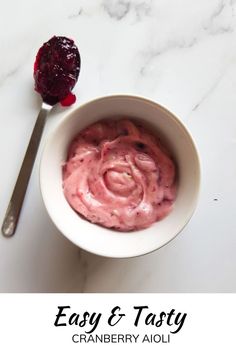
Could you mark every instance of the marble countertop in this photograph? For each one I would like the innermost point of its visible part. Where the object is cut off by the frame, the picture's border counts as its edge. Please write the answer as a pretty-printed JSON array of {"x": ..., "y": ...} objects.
[{"x": 180, "y": 53}]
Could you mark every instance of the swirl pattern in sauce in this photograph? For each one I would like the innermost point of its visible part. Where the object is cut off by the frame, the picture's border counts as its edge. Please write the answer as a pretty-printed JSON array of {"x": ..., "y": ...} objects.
[{"x": 119, "y": 176}]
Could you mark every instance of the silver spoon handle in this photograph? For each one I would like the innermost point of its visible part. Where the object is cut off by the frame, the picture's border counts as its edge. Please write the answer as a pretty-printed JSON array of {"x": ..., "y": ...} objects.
[{"x": 13, "y": 211}]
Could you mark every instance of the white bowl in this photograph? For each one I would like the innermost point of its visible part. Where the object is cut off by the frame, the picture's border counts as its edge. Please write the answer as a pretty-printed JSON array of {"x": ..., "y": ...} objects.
[{"x": 103, "y": 241}]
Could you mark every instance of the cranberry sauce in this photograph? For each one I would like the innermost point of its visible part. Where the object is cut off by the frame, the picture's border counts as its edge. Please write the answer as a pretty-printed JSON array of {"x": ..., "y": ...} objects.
[{"x": 56, "y": 70}]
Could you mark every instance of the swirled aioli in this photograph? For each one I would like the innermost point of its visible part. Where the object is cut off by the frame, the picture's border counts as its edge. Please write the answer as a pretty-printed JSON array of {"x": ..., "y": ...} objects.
[{"x": 118, "y": 175}]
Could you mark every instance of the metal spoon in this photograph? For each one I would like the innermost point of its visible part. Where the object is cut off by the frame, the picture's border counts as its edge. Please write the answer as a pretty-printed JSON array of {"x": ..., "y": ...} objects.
[
  {"x": 57, "y": 64},
  {"x": 14, "y": 208}
]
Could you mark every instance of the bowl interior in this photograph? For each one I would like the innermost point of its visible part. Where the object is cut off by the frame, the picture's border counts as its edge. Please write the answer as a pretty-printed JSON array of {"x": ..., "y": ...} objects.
[{"x": 107, "y": 242}]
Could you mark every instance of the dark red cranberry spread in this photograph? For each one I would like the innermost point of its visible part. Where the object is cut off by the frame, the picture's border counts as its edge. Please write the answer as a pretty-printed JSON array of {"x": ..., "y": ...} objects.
[{"x": 56, "y": 70}]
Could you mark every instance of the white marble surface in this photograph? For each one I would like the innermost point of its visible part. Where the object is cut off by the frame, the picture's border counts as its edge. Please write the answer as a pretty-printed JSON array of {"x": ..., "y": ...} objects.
[{"x": 181, "y": 53}]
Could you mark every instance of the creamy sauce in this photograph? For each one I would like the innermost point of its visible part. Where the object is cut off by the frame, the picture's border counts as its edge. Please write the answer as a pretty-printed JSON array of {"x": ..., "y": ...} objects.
[{"x": 119, "y": 176}]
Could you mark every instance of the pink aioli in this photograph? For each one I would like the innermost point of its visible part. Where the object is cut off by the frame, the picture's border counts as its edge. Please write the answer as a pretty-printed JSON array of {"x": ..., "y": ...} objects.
[{"x": 118, "y": 175}]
